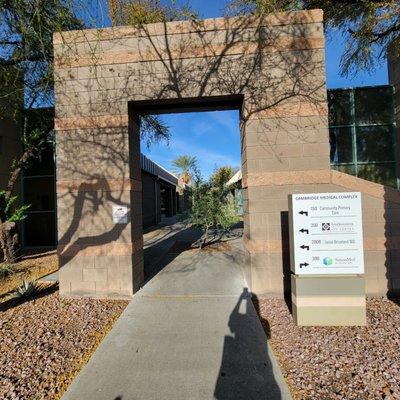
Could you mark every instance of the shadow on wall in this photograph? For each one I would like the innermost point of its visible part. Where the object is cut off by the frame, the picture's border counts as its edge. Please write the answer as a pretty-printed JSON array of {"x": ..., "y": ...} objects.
[
  {"x": 246, "y": 371},
  {"x": 381, "y": 226},
  {"x": 286, "y": 259},
  {"x": 277, "y": 68},
  {"x": 94, "y": 195}
]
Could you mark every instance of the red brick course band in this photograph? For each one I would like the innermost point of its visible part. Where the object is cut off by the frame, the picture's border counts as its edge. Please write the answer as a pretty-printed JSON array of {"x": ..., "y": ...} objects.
[
  {"x": 108, "y": 249},
  {"x": 211, "y": 50},
  {"x": 303, "y": 109},
  {"x": 102, "y": 121},
  {"x": 64, "y": 186},
  {"x": 291, "y": 109},
  {"x": 181, "y": 27},
  {"x": 385, "y": 193}
]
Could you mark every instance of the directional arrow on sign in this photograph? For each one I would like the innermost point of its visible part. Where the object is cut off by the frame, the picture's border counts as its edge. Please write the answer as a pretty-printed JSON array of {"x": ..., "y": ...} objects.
[
  {"x": 303, "y": 213},
  {"x": 304, "y": 231},
  {"x": 304, "y": 265},
  {"x": 304, "y": 247}
]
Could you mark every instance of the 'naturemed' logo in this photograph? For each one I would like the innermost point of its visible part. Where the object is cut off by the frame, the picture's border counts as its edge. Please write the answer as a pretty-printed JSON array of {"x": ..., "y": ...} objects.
[{"x": 328, "y": 261}]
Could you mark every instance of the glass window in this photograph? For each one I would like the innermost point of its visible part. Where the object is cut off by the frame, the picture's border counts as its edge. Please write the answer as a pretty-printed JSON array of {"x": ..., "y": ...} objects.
[
  {"x": 375, "y": 143},
  {"x": 39, "y": 193},
  {"x": 44, "y": 164},
  {"x": 384, "y": 174},
  {"x": 347, "y": 168},
  {"x": 339, "y": 103},
  {"x": 40, "y": 229},
  {"x": 341, "y": 145},
  {"x": 373, "y": 105}
]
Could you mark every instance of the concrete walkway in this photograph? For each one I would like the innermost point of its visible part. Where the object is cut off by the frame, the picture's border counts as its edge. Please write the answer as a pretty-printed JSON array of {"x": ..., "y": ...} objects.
[
  {"x": 191, "y": 333},
  {"x": 157, "y": 240}
]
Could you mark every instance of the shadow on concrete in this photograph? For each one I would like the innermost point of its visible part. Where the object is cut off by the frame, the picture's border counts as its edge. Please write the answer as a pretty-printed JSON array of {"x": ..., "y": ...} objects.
[
  {"x": 155, "y": 251},
  {"x": 167, "y": 230},
  {"x": 162, "y": 250},
  {"x": 246, "y": 371},
  {"x": 264, "y": 322},
  {"x": 219, "y": 236}
]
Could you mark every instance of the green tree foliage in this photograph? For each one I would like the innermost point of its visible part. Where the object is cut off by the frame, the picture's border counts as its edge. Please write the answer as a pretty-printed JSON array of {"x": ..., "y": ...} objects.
[
  {"x": 262, "y": 6},
  {"x": 213, "y": 210},
  {"x": 26, "y": 47},
  {"x": 368, "y": 26},
  {"x": 7, "y": 210},
  {"x": 140, "y": 12},
  {"x": 186, "y": 167},
  {"x": 26, "y": 82},
  {"x": 221, "y": 176},
  {"x": 153, "y": 130}
]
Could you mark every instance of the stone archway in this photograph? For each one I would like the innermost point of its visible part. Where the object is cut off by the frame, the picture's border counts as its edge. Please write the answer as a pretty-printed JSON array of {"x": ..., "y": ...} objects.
[{"x": 275, "y": 65}]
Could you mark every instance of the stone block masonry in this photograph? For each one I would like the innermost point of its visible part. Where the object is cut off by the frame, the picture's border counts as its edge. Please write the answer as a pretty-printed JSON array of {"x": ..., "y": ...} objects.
[{"x": 274, "y": 65}]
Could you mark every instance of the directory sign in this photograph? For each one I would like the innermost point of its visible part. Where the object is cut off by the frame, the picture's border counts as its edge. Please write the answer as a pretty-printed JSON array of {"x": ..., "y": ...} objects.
[{"x": 326, "y": 235}]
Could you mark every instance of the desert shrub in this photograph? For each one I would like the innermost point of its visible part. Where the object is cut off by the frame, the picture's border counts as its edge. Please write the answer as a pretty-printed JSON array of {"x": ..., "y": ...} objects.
[
  {"x": 212, "y": 211},
  {"x": 26, "y": 290},
  {"x": 6, "y": 269}
]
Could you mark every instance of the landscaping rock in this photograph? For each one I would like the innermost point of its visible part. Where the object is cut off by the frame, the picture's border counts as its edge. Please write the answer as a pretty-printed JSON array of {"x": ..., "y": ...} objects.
[
  {"x": 45, "y": 342},
  {"x": 338, "y": 362}
]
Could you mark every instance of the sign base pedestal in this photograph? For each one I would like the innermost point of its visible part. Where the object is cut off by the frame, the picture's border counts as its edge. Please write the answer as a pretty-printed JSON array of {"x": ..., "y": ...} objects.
[{"x": 334, "y": 300}]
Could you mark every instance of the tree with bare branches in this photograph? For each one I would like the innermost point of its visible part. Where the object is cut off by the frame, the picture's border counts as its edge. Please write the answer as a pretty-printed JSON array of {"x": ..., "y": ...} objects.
[
  {"x": 140, "y": 12},
  {"x": 27, "y": 82},
  {"x": 26, "y": 71},
  {"x": 368, "y": 26}
]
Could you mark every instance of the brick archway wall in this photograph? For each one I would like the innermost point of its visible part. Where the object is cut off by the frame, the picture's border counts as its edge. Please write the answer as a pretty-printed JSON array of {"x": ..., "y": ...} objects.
[{"x": 276, "y": 64}]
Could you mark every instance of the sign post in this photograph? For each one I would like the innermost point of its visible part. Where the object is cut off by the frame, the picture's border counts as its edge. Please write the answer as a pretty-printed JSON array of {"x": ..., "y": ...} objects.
[{"x": 327, "y": 258}]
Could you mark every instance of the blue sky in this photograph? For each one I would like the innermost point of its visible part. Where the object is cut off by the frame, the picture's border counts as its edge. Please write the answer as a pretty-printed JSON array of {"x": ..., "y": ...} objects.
[{"x": 214, "y": 137}]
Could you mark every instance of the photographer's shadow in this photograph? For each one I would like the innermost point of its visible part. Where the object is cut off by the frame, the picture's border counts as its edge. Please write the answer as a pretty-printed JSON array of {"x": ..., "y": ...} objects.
[{"x": 246, "y": 371}]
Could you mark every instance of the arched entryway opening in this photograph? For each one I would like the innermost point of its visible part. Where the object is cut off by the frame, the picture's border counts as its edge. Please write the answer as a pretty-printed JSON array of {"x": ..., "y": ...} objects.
[{"x": 275, "y": 65}]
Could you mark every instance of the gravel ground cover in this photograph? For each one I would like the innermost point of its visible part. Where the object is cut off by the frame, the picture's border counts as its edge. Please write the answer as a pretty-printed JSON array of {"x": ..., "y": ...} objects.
[
  {"x": 44, "y": 342},
  {"x": 32, "y": 266},
  {"x": 337, "y": 363}
]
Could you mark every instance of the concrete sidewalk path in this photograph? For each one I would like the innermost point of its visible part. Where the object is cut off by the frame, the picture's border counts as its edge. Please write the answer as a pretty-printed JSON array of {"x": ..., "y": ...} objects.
[
  {"x": 157, "y": 240},
  {"x": 191, "y": 333}
]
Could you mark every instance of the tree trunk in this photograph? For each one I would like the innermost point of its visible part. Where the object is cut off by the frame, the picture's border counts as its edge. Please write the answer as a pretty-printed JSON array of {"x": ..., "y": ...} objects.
[
  {"x": 9, "y": 241},
  {"x": 205, "y": 236}
]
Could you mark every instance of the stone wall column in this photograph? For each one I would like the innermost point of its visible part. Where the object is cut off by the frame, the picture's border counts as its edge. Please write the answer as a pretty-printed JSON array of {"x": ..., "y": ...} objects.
[
  {"x": 98, "y": 169},
  {"x": 281, "y": 155}
]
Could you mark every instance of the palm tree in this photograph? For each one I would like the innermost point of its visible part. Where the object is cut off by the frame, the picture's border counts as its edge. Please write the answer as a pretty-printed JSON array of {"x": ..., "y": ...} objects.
[{"x": 184, "y": 166}]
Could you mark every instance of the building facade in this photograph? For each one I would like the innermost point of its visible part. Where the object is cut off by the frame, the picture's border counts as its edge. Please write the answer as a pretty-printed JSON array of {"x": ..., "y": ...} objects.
[
  {"x": 10, "y": 146},
  {"x": 273, "y": 71},
  {"x": 362, "y": 133},
  {"x": 39, "y": 229},
  {"x": 38, "y": 183}
]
